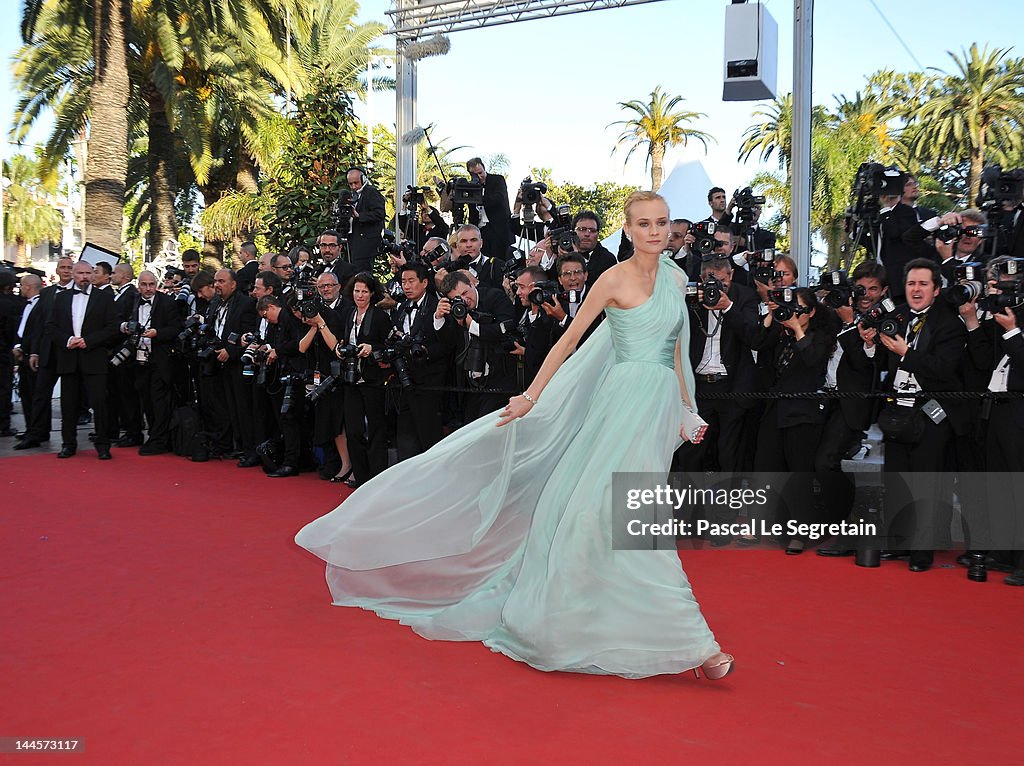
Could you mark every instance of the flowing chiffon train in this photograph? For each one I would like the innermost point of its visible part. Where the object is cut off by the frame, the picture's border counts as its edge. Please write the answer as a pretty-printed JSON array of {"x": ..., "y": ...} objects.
[{"x": 503, "y": 535}]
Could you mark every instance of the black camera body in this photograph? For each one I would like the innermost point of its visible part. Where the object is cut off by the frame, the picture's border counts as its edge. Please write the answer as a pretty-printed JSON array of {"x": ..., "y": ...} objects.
[
  {"x": 390, "y": 245},
  {"x": 1010, "y": 283},
  {"x": 307, "y": 300},
  {"x": 460, "y": 309},
  {"x": 465, "y": 192},
  {"x": 762, "y": 265},
  {"x": 293, "y": 383},
  {"x": 415, "y": 195},
  {"x": 400, "y": 351},
  {"x": 787, "y": 305},
  {"x": 873, "y": 180},
  {"x": 544, "y": 292},
  {"x": 837, "y": 288},
  {"x": 704, "y": 237},
  {"x": 530, "y": 191},
  {"x": 344, "y": 211},
  {"x": 950, "y": 232},
  {"x": 999, "y": 187},
  {"x": 128, "y": 348},
  {"x": 884, "y": 317}
]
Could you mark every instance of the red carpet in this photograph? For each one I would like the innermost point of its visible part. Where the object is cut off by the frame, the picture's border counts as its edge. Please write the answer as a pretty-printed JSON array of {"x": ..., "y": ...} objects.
[{"x": 160, "y": 611}]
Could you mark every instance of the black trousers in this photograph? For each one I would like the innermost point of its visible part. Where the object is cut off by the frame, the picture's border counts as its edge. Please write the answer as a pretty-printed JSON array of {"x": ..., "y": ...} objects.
[
  {"x": 264, "y": 420},
  {"x": 365, "y": 424},
  {"x": 153, "y": 385},
  {"x": 838, "y": 490},
  {"x": 719, "y": 450},
  {"x": 238, "y": 398},
  {"x": 419, "y": 422},
  {"x": 213, "y": 409},
  {"x": 41, "y": 419},
  {"x": 789, "y": 450},
  {"x": 917, "y": 509},
  {"x": 71, "y": 386},
  {"x": 123, "y": 405},
  {"x": 6, "y": 388},
  {"x": 1004, "y": 452},
  {"x": 26, "y": 389}
]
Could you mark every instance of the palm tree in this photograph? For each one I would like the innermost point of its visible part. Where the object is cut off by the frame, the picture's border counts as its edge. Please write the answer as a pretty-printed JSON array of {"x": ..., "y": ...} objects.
[
  {"x": 974, "y": 114},
  {"x": 658, "y": 127},
  {"x": 29, "y": 216}
]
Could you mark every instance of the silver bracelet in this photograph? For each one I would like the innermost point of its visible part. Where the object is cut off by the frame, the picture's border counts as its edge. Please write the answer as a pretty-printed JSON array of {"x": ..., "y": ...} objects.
[{"x": 528, "y": 398}]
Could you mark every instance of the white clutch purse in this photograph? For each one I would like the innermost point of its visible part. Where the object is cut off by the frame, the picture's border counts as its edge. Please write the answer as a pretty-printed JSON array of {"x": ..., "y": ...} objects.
[{"x": 693, "y": 424}]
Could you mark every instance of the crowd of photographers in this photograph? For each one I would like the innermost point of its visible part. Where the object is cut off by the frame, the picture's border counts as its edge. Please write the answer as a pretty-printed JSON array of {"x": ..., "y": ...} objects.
[{"x": 306, "y": 361}]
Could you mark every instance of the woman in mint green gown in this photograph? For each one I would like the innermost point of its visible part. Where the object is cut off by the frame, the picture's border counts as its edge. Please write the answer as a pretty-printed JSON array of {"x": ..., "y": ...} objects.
[{"x": 501, "y": 533}]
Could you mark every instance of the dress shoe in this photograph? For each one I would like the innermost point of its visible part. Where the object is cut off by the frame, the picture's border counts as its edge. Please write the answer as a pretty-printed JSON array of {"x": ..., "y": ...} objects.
[
  {"x": 283, "y": 471},
  {"x": 103, "y": 453},
  {"x": 921, "y": 561},
  {"x": 235, "y": 454},
  {"x": 835, "y": 550},
  {"x": 67, "y": 452},
  {"x": 351, "y": 482},
  {"x": 747, "y": 542},
  {"x": 891, "y": 555},
  {"x": 152, "y": 449},
  {"x": 341, "y": 478},
  {"x": 27, "y": 444},
  {"x": 129, "y": 441},
  {"x": 249, "y": 461},
  {"x": 795, "y": 547},
  {"x": 1017, "y": 578}
]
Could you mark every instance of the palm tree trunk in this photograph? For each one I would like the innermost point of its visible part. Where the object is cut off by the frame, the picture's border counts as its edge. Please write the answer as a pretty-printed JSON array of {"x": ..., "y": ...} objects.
[
  {"x": 213, "y": 249},
  {"x": 657, "y": 165},
  {"x": 977, "y": 165},
  {"x": 21, "y": 258},
  {"x": 247, "y": 182},
  {"x": 107, "y": 159},
  {"x": 162, "y": 181}
]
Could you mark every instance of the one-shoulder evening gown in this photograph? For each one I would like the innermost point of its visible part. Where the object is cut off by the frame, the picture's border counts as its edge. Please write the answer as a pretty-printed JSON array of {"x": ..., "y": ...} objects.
[{"x": 503, "y": 535}]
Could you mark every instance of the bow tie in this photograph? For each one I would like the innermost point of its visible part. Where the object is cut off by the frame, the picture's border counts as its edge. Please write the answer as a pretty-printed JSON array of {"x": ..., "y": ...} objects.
[
  {"x": 147, "y": 301},
  {"x": 80, "y": 292},
  {"x": 918, "y": 313}
]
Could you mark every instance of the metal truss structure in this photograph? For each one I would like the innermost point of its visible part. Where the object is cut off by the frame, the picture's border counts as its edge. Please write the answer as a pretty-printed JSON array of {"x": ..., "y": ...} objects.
[{"x": 412, "y": 19}]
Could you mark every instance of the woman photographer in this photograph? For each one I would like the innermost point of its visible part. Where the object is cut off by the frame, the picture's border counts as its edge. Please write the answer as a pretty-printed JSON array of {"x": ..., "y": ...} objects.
[
  {"x": 364, "y": 329},
  {"x": 799, "y": 337}
]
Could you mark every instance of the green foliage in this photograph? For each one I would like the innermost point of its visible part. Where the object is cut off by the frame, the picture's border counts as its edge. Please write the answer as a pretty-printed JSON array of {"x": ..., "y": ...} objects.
[
  {"x": 607, "y": 199},
  {"x": 327, "y": 143}
]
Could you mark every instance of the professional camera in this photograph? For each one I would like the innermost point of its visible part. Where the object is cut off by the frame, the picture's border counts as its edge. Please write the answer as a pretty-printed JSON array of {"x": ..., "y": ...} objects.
[
  {"x": 837, "y": 288},
  {"x": 746, "y": 201},
  {"x": 545, "y": 292},
  {"x": 464, "y": 191},
  {"x": 999, "y": 187},
  {"x": 293, "y": 382},
  {"x": 515, "y": 263},
  {"x": 307, "y": 300},
  {"x": 513, "y": 333},
  {"x": 254, "y": 357},
  {"x": 884, "y": 317},
  {"x": 343, "y": 211},
  {"x": 713, "y": 288},
  {"x": 415, "y": 195},
  {"x": 1010, "y": 283},
  {"x": 950, "y": 232},
  {"x": 390, "y": 246},
  {"x": 304, "y": 274},
  {"x": 787, "y": 305},
  {"x": 531, "y": 193},
  {"x": 762, "y": 265},
  {"x": 399, "y": 351},
  {"x": 970, "y": 283},
  {"x": 327, "y": 384},
  {"x": 560, "y": 232},
  {"x": 190, "y": 330},
  {"x": 704, "y": 237},
  {"x": 460, "y": 309},
  {"x": 348, "y": 364},
  {"x": 129, "y": 348},
  {"x": 873, "y": 180}
]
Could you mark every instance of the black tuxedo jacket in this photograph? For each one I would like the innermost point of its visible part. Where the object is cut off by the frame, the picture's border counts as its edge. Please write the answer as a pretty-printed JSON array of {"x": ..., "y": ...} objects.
[
  {"x": 99, "y": 330},
  {"x": 165, "y": 318},
  {"x": 374, "y": 329},
  {"x": 901, "y": 243},
  {"x": 987, "y": 348},
  {"x": 416, "y": 232},
  {"x": 500, "y": 309},
  {"x": 342, "y": 269},
  {"x": 37, "y": 327},
  {"x": 935, "y": 361},
  {"x": 241, "y": 319},
  {"x": 559, "y": 328},
  {"x": 804, "y": 372},
  {"x": 365, "y": 239},
  {"x": 498, "y": 231},
  {"x": 599, "y": 260},
  {"x": 856, "y": 372},
  {"x": 540, "y": 336},
  {"x": 740, "y": 330},
  {"x": 124, "y": 301},
  {"x": 246, "y": 277},
  {"x": 432, "y": 370},
  {"x": 490, "y": 271}
]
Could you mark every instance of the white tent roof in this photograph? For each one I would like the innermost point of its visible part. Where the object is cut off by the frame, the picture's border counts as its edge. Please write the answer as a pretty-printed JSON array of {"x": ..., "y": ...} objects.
[{"x": 686, "y": 190}]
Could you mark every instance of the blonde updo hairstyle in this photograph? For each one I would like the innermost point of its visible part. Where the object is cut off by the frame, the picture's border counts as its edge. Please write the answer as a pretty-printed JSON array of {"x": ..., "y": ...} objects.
[{"x": 641, "y": 196}]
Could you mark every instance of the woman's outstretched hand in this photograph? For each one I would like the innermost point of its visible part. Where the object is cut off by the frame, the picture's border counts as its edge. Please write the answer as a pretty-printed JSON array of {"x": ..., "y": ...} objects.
[{"x": 516, "y": 408}]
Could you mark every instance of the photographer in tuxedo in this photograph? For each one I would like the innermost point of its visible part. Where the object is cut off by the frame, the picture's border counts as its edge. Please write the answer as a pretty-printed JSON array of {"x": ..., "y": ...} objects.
[
  {"x": 159, "y": 320},
  {"x": 468, "y": 248},
  {"x": 497, "y": 231},
  {"x": 30, "y": 286},
  {"x": 329, "y": 245},
  {"x": 477, "y": 337},
  {"x": 123, "y": 405},
  {"x": 848, "y": 419},
  {"x": 82, "y": 326},
  {"x": 232, "y": 317},
  {"x": 286, "y": 368},
  {"x": 419, "y": 411},
  {"x": 572, "y": 277},
  {"x": 598, "y": 259},
  {"x": 900, "y": 242},
  {"x": 536, "y": 325},
  {"x": 722, "y": 331},
  {"x": 368, "y": 212},
  {"x": 42, "y": 358},
  {"x": 997, "y": 346},
  {"x": 923, "y": 356}
]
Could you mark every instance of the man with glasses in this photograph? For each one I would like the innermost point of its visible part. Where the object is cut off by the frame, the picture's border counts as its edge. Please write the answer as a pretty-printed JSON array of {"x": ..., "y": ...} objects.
[
  {"x": 536, "y": 324},
  {"x": 572, "y": 277},
  {"x": 329, "y": 245},
  {"x": 598, "y": 259},
  {"x": 957, "y": 251}
]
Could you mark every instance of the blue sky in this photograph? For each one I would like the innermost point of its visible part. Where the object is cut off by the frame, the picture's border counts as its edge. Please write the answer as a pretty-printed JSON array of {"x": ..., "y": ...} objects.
[{"x": 542, "y": 92}]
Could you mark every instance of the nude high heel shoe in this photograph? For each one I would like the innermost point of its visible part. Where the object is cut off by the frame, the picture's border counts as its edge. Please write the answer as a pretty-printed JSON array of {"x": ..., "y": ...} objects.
[{"x": 716, "y": 667}]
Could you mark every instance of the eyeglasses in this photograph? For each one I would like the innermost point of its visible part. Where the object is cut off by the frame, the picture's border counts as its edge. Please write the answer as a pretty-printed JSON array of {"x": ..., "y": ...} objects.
[
  {"x": 573, "y": 273},
  {"x": 328, "y": 244},
  {"x": 286, "y": 267},
  {"x": 586, "y": 230}
]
